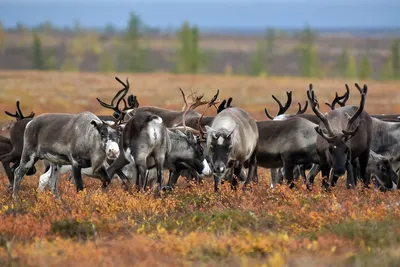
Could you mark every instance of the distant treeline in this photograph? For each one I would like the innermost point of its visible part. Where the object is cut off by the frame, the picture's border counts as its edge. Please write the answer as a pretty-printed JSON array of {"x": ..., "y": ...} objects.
[{"x": 129, "y": 51}]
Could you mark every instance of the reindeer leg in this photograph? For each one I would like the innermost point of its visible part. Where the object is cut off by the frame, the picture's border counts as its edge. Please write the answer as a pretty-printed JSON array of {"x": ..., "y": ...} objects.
[
  {"x": 9, "y": 173},
  {"x": 252, "y": 168},
  {"x": 27, "y": 161},
  {"x": 13, "y": 156},
  {"x": 105, "y": 178},
  {"x": 117, "y": 164},
  {"x": 325, "y": 171},
  {"x": 55, "y": 175},
  {"x": 350, "y": 183},
  {"x": 363, "y": 161},
  {"x": 296, "y": 172},
  {"x": 274, "y": 177},
  {"x": 160, "y": 171},
  {"x": 311, "y": 175},
  {"x": 302, "y": 171},
  {"x": 288, "y": 168},
  {"x": 76, "y": 171}
]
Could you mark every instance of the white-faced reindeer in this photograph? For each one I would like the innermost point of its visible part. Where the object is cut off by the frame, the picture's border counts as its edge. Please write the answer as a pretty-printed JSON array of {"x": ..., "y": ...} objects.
[
  {"x": 81, "y": 140},
  {"x": 232, "y": 142},
  {"x": 53, "y": 171},
  {"x": 344, "y": 136}
]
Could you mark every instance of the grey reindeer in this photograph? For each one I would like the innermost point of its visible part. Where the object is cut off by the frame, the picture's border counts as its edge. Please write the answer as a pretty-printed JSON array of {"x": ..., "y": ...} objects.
[
  {"x": 344, "y": 137},
  {"x": 277, "y": 174},
  {"x": 231, "y": 141},
  {"x": 81, "y": 140},
  {"x": 148, "y": 143}
]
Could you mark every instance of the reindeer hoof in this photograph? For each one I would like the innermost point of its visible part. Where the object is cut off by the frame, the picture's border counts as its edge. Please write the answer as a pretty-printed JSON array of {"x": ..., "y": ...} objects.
[{"x": 10, "y": 188}]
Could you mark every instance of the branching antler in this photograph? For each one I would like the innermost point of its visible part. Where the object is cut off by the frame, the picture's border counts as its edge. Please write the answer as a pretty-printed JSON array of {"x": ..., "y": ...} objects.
[
  {"x": 282, "y": 109},
  {"x": 211, "y": 103},
  {"x": 196, "y": 102},
  {"x": 301, "y": 111},
  {"x": 222, "y": 106},
  {"x": 338, "y": 99},
  {"x": 120, "y": 95},
  {"x": 18, "y": 114},
  {"x": 363, "y": 91},
  {"x": 313, "y": 103}
]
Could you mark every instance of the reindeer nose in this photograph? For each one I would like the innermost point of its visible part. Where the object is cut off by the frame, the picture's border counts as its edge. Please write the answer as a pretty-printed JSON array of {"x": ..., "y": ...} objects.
[{"x": 219, "y": 168}]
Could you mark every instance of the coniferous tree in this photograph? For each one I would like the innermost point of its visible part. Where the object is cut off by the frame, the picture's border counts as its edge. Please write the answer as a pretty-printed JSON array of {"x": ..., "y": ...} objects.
[
  {"x": 38, "y": 61},
  {"x": 308, "y": 54},
  {"x": 396, "y": 58},
  {"x": 365, "y": 68}
]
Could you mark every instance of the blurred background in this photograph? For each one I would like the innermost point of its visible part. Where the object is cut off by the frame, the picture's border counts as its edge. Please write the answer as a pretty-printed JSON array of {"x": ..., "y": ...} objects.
[{"x": 309, "y": 38}]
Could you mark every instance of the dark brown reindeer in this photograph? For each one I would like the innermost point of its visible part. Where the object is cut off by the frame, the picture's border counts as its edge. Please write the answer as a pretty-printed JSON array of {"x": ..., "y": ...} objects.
[
  {"x": 13, "y": 156},
  {"x": 344, "y": 137}
]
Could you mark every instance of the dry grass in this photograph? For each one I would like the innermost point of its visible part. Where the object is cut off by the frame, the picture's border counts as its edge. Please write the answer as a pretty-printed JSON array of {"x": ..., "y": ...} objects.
[{"x": 193, "y": 226}]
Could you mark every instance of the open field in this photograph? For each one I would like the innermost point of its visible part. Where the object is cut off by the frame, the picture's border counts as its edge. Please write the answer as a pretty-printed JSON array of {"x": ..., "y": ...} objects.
[{"x": 193, "y": 226}]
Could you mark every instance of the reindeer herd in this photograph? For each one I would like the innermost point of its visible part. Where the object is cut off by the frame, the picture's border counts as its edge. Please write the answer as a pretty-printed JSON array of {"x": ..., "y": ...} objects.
[{"x": 136, "y": 144}]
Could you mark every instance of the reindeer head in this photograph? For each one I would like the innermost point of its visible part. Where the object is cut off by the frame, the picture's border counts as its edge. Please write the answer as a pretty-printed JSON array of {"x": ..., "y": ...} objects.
[
  {"x": 338, "y": 152},
  {"x": 109, "y": 137},
  {"x": 191, "y": 151},
  {"x": 219, "y": 144},
  {"x": 381, "y": 171},
  {"x": 18, "y": 114}
]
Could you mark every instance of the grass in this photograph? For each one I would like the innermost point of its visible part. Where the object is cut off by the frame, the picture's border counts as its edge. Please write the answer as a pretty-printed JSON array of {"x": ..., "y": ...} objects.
[{"x": 193, "y": 226}]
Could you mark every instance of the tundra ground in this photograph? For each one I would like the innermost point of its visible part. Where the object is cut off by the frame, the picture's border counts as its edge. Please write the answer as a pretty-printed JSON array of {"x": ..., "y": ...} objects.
[{"x": 193, "y": 226}]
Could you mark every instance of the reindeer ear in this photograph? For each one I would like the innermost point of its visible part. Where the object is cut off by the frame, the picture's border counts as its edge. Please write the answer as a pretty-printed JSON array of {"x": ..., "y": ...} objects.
[{"x": 96, "y": 124}]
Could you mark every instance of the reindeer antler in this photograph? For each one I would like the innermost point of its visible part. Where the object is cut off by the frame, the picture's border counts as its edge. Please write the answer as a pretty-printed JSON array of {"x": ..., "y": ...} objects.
[
  {"x": 314, "y": 106},
  {"x": 222, "y": 106},
  {"x": 18, "y": 114},
  {"x": 338, "y": 99},
  {"x": 196, "y": 102},
  {"x": 211, "y": 103},
  {"x": 121, "y": 94},
  {"x": 363, "y": 91},
  {"x": 282, "y": 109},
  {"x": 301, "y": 111}
]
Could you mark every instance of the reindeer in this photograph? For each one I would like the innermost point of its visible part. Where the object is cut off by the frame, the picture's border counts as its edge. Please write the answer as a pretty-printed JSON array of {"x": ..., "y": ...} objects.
[
  {"x": 385, "y": 137},
  {"x": 148, "y": 143},
  {"x": 53, "y": 171},
  {"x": 232, "y": 144},
  {"x": 16, "y": 140},
  {"x": 339, "y": 143},
  {"x": 277, "y": 175},
  {"x": 81, "y": 140}
]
